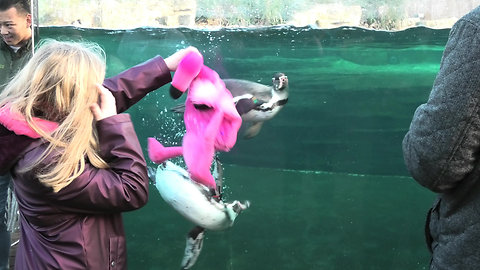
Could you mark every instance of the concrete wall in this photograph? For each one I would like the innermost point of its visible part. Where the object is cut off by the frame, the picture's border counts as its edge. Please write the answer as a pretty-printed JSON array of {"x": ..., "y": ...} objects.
[
  {"x": 118, "y": 14},
  {"x": 440, "y": 9}
]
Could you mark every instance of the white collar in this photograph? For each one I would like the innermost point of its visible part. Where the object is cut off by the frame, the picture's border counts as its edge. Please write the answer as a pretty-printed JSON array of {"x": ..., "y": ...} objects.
[{"x": 15, "y": 48}]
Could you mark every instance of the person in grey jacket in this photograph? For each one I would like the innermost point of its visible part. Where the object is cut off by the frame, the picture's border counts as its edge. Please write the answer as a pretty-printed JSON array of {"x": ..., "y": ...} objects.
[{"x": 442, "y": 150}]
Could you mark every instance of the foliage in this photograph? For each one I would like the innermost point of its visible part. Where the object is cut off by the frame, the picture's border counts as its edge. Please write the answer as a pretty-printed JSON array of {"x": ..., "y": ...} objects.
[
  {"x": 381, "y": 14},
  {"x": 251, "y": 12}
]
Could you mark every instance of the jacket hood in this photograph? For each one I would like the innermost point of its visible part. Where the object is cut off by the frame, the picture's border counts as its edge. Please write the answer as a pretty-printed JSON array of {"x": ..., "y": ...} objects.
[
  {"x": 16, "y": 135},
  {"x": 16, "y": 122}
]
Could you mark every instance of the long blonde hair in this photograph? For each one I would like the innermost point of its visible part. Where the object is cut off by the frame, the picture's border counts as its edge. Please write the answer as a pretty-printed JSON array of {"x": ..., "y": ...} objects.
[{"x": 58, "y": 84}]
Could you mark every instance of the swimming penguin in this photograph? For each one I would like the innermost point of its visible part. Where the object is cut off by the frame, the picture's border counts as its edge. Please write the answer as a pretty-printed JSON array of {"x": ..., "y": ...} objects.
[
  {"x": 197, "y": 203},
  {"x": 255, "y": 102},
  {"x": 269, "y": 100}
]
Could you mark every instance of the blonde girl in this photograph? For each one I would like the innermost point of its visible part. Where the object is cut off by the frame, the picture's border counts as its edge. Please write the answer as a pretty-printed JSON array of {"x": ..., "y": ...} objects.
[{"x": 76, "y": 164}]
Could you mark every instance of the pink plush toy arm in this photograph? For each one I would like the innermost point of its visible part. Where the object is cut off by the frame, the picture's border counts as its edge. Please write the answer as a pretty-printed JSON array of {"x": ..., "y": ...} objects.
[
  {"x": 187, "y": 70},
  {"x": 159, "y": 153}
]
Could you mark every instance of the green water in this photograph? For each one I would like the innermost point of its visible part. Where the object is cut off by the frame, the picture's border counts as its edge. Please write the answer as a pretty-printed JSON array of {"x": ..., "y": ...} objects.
[{"x": 326, "y": 177}]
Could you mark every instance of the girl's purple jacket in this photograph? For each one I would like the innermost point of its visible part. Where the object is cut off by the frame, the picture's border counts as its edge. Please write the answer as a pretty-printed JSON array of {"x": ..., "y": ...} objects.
[{"x": 80, "y": 227}]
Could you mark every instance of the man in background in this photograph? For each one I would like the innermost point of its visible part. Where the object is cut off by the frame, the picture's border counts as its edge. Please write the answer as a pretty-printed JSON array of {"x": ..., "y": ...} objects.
[
  {"x": 16, "y": 31},
  {"x": 15, "y": 51}
]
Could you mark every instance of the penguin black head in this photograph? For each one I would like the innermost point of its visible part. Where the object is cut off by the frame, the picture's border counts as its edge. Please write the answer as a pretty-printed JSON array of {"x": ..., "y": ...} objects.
[{"x": 280, "y": 81}]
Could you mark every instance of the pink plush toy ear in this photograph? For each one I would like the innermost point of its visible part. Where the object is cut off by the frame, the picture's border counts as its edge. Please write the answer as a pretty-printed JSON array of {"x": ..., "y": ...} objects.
[{"x": 187, "y": 70}]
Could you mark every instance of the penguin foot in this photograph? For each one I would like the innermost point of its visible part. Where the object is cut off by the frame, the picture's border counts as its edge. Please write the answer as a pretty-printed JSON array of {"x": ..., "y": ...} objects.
[
  {"x": 193, "y": 247},
  {"x": 234, "y": 209},
  {"x": 238, "y": 207}
]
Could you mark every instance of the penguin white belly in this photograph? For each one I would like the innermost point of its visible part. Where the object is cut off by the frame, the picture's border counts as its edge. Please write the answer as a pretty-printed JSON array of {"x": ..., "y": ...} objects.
[
  {"x": 260, "y": 116},
  {"x": 192, "y": 200}
]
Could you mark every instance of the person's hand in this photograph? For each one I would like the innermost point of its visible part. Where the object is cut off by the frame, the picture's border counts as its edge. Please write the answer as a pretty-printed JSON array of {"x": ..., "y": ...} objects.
[
  {"x": 107, "y": 105},
  {"x": 173, "y": 60}
]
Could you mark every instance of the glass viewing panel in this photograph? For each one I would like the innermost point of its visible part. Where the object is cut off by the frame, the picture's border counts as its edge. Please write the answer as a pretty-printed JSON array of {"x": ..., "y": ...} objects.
[{"x": 325, "y": 177}]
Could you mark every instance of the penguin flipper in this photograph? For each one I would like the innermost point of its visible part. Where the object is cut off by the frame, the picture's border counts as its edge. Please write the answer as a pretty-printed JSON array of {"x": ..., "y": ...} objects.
[
  {"x": 252, "y": 130},
  {"x": 180, "y": 108},
  {"x": 218, "y": 176},
  {"x": 193, "y": 247}
]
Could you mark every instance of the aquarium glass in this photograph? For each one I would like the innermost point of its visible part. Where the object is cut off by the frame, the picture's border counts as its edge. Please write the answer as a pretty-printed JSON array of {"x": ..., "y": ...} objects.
[{"x": 325, "y": 177}]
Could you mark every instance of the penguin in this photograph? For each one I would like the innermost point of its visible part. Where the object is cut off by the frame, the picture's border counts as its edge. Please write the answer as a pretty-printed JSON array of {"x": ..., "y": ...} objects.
[
  {"x": 268, "y": 100},
  {"x": 201, "y": 205},
  {"x": 255, "y": 102}
]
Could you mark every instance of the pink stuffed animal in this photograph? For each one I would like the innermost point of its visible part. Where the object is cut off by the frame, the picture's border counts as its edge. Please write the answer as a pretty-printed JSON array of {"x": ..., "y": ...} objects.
[{"x": 211, "y": 120}]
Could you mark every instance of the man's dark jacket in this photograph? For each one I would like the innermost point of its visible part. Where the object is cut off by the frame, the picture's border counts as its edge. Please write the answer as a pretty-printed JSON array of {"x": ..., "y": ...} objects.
[{"x": 11, "y": 62}]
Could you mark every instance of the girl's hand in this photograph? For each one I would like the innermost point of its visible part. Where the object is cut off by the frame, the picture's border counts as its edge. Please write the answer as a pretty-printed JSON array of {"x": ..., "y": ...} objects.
[
  {"x": 107, "y": 105},
  {"x": 173, "y": 60}
]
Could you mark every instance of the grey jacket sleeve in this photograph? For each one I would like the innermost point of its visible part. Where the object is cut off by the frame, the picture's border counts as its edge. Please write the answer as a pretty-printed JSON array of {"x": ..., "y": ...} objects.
[{"x": 441, "y": 147}]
